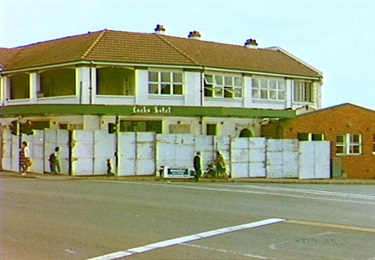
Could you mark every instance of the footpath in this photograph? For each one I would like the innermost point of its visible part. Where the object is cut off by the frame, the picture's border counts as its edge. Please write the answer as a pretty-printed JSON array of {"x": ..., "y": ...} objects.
[{"x": 49, "y": 176}]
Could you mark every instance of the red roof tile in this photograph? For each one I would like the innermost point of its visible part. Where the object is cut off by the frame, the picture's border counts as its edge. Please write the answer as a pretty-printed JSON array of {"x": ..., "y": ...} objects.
[{"x": 149, "y": 48}]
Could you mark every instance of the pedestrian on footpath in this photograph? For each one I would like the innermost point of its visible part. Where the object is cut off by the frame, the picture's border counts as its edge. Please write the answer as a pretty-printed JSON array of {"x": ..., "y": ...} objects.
[
  {"x": 220, "y": 166},
  {"x": 197, "y": 166},
  {"x": 54, "y": 161},
  {"x": 24, "y": 158}
]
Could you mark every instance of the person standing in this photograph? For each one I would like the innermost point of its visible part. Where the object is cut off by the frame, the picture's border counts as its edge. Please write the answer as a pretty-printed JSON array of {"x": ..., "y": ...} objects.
[
  {"x": 57, "y": 160},
  {"x": 54, "y": 161},
  {"x": 197, "y": 166},
  {"x": 220, "y": 165},
  {"x": 24, "y": 158}
]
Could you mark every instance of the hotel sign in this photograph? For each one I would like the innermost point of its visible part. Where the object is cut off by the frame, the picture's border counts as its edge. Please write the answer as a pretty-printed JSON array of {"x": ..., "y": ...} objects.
[{"x": 152, "y": 110}]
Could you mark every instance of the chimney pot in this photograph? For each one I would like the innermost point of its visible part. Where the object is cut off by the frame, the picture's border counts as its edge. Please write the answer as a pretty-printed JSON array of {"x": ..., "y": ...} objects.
[
  {"x": 159, "y": 29},
  {"x": 194, "y": 35},
  {"x": 251, "y": 43}
]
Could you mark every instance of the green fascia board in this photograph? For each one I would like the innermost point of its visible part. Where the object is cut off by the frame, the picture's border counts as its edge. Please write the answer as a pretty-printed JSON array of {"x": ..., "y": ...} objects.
[{"x": 74, "y": 109}]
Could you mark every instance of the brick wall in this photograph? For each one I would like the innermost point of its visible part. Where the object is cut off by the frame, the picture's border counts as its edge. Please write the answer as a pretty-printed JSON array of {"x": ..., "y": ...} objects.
[{"x": 338, "y": 120}]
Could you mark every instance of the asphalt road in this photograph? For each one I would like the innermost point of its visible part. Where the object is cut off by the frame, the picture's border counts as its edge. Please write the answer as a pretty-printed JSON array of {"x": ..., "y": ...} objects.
[{"x": 83, "y": 219}]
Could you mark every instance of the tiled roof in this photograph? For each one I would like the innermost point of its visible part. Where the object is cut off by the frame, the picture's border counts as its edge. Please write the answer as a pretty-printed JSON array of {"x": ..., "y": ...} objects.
[
  {"x": 149, "y": 48},
  {"x": 6, "y": 55},
  {"x": 334, "y": 108}
]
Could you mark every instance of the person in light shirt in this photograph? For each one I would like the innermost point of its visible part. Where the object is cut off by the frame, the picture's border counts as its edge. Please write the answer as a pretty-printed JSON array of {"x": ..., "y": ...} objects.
[{"x": 24, "y": 158}]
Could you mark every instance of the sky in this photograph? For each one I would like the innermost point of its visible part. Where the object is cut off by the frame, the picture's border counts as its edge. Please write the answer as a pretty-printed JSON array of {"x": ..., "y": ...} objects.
[{"x": 337, "y": 37}]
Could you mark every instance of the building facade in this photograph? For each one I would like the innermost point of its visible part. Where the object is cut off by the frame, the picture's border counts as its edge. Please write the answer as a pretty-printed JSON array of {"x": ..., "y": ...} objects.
[
  {"x": 151, "y": 82},
  {"x": 349, "y": 128}
]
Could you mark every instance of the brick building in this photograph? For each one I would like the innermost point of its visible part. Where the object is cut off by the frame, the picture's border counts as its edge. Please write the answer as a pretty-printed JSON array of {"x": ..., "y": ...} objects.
[{"x": 349, "y": 128}]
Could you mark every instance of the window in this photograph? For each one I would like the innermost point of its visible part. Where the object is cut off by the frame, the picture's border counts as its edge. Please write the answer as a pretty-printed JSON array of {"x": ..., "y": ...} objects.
[
  {"x": 310, "y": 137},
  {"x": 115, "y": 81},
  {"x": 141, "y": 126},
  {"x": 220, "y": 86},
  {"x": 19, "y": 86},
  {"x": 59, "y": 82},
  {"x": 269, "y": 88},
  {"x": 373, "y": 143},
  {"x": 165, "y": 83},
  {"x": 304, "y": 91},
  {"x": 349, "y": 144},
  {"x": 211, "y": 129}
]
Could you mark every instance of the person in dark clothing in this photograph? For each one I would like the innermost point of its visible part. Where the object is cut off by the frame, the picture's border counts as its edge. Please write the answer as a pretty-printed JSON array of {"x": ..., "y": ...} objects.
[
  {"x": 54, "y": 161},
  {"x": 198, "y": 166},
  {"x": 109, "y": 168}
]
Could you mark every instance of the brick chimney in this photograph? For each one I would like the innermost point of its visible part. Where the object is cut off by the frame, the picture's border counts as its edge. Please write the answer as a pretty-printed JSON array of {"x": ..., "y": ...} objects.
[
  {"x": 251, "y": 44},
  {"x": 194, "y": 35},
  {"x": 159, "y": 29}
]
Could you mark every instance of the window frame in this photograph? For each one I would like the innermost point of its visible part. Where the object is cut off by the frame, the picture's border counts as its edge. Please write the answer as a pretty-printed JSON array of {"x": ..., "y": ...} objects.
[
  {"x": 304, "y": 91},
  {"x": 311, "y": 137},
  {"x": 115, "y": 81},
  {"x": 163, "y": 87},
  {"x": 352, "y": 144},
  {"x": 268, "y": 88},
  {"x": 223, "y": 86},
  {"x": 211, "y": 129},
  {"x": 19, "y": 86}
]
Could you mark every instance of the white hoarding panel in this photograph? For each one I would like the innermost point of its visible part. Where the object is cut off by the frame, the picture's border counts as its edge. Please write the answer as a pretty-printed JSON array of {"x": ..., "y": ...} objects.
[
  {"x": 257, "y": 170},
  {"x": 145, "y": 167},
  {"x": 7, "y": 150},
  {"x": 240, "y": 170},
  {"x": 82, "y": 152},
  {"x": 104, "y": 148},
  {"x": 37, "y": 151},
  {"x": 126, "y": 152},
  {"x": 323, "y": 160},
  {"x": 307, "y": 160},
  {"x": 127, "y": 168}
]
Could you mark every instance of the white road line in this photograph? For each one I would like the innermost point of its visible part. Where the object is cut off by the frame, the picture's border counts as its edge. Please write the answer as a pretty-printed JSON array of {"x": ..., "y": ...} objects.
[
  {"x": 227, "y": 251},
  {"x": 317, "y": 192},
  {"x": 186, "y": 239},
  {"x": 275, "y": 192}
]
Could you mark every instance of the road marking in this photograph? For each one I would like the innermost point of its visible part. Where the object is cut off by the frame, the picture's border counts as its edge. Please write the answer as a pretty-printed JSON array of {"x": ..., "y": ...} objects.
[
  {"x": 347, "y": 199},
  {"x": 227, "y": 251},
  {"x": 185, "y": 239},
  {"x": 318, "y": 224}
]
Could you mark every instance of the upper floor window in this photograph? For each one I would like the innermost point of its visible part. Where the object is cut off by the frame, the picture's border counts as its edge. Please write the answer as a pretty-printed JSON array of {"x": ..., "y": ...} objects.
[
  {"x": 220, "y": 86},
  {"x": 269, "y": 88},
  {"x": 115, "y": 81},
  {"x": 58, "y": 82},
  {"x": 304, "y": 91},
  {"x": 165, "y": 83},
  {"x": 349, "y": 144},
  {"x": 19, "y": 86}
]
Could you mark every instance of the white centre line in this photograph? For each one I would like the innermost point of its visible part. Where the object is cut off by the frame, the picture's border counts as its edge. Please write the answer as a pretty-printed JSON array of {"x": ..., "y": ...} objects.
[{"x": 185, "y": 239}]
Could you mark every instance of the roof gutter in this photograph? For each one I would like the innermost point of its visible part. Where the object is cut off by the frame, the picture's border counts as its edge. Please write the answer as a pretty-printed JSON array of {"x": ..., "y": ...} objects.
[
  {"x": 91, "y": 63},
  {"x": 264, "y": 73}
]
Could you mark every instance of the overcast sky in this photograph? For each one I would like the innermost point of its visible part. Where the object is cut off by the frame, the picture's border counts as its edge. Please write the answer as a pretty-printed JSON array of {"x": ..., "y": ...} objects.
[{"x": 335, "y": 36}]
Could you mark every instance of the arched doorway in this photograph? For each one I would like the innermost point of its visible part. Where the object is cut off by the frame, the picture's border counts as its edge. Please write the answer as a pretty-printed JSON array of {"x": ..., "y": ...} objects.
[{"x": 246, "y": 133}]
